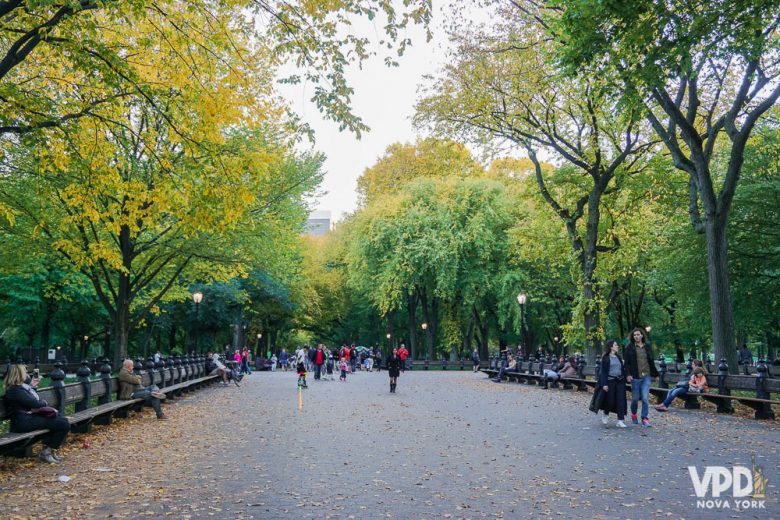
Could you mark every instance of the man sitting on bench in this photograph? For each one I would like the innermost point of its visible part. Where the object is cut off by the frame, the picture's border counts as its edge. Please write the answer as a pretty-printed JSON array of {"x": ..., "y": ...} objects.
[
  {"x": 130, "y": 388},
  {"x": 504, "y": 368}
]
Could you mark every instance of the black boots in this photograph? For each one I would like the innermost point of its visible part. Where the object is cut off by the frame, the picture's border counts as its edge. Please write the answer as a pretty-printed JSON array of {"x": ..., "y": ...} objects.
[{"x": 392, "y": 388}]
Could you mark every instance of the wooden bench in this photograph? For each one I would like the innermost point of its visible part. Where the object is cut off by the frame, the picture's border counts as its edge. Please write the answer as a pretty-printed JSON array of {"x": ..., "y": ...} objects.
[
  {"x": 173, "y": 376},
  {"x": 724, "y": 383}
]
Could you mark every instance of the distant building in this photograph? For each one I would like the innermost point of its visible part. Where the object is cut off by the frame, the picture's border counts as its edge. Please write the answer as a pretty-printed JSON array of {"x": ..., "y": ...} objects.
[{"x": 318, "y": 223}]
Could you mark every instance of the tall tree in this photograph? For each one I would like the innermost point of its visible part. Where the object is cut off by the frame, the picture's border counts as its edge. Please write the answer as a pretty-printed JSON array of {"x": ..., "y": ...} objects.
[
  {"x": 705, "y": 73},
  {"x": 500, "y": 87}
]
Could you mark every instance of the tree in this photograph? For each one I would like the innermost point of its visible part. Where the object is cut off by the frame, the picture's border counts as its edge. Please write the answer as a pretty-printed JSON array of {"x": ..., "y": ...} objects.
[
  {"x": 440, "y": 241},
  {"x": 704, "y": 75},
  {"x": 136, "y": 216},
  {"x": 499, "y": 87},
  {"x": 63, "y": 59}
]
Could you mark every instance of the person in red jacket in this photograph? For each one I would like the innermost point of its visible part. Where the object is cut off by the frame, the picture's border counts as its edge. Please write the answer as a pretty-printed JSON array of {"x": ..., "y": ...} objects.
[
  {"x": 403, "y": 354},
  {"x": 319, "y": 360}
]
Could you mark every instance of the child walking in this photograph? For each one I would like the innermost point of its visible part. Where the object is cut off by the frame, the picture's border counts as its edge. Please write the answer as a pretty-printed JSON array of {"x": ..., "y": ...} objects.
[
  {"x": 329, "y": 368},
  {"x": 343, "y": 367}
]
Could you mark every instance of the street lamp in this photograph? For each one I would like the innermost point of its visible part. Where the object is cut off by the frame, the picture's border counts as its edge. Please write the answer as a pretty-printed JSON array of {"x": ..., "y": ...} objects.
[
  {"x": 425, "y": 336},
  {"x": 197, "y": 297},
  {"x": 521, "y": 299},
  {"x": 257, "y": 348}
]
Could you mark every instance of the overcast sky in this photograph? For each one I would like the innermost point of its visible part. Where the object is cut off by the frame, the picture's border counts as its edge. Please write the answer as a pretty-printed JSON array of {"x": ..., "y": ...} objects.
[{"x": 384, "y": 97}]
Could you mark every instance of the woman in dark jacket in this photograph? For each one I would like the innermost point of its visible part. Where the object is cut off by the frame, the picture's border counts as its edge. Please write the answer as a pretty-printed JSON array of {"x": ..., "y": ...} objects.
[
  {"x": 613, "y": 383},
  {"x": 20, "y": 401},
  {"x": 394, "y": 369}
]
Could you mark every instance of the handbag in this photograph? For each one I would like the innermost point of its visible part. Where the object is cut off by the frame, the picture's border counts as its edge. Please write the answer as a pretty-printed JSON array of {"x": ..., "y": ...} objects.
[
  {"x": 46, "y": 412},
  {"x": 694, "y": 390},
  {"x": 597, "y": 400}
]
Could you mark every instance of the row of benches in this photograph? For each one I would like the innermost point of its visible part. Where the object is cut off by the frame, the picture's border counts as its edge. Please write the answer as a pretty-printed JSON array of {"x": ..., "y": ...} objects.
[
  {"x": 533, "y": 373},
  {"x": 174, "y": 379}
]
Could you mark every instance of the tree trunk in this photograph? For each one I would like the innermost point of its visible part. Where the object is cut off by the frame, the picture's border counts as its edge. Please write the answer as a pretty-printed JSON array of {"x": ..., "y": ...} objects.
[
  {"x": 172, "y": 338},
  {"x": 411, "y": 312},
  {"x": 724, "y": 345}
]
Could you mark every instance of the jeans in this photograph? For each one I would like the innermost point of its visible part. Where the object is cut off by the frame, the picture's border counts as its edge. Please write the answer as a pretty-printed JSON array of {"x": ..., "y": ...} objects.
[
  {"x": 317, "y": 371},
  {"x": 675, "y": 392},
  {"x": 640, "y": 388}
]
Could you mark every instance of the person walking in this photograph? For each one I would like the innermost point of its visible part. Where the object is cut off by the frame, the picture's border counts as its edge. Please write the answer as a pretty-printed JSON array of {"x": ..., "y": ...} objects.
[
  {"x": 394, "y": 366},
  {"x": 475, "y": 360},
  {"x": 612, "y": 382},
  {"x": 343, "y": 367},
  {"x": 352, "y": 358},
  {"x": 403, "y": 354},
  {"x": 284, "y": 359},
  {"x": 319, "y": 360},
  {"x": 640, "y": 369}
]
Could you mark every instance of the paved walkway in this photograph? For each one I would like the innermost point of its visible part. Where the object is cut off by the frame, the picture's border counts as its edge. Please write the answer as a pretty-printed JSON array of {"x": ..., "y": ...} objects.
[{"x": 447, "y": 445}]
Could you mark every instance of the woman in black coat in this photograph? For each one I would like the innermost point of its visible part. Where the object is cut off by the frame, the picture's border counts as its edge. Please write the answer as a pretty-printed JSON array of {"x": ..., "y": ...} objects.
[
  {"x": 20, "y": 401},
  {"x": 394, "y": 369},
  {"x": 612, "y": 381}
]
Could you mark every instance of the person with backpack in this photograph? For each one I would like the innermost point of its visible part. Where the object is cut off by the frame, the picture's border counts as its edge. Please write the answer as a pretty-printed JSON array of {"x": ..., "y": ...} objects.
[
  {"x": 301, "y": 367},
  {"x": 329, "y": 368},
  {"x": 352, "y": 357}
]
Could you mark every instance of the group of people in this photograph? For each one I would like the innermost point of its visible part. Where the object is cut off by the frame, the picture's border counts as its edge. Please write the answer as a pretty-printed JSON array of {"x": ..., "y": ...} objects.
[
  {"x": 227, "y": 373},
  {"x": 28, "y": 412},
  {"x": 323, "y": 361},
  {"x": 637, "y": 369}
]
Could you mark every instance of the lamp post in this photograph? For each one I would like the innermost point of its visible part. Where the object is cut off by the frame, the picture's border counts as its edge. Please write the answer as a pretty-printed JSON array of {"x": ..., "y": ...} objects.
[
  {"x": 197, "y": 297},
  {"x": 257, "y": 347},
  {"x": 425, "y": 336},
  {"x": 521, "y": 299},
  {"x": 556, "y": 339},
  {"x": 390, "y": 346}
]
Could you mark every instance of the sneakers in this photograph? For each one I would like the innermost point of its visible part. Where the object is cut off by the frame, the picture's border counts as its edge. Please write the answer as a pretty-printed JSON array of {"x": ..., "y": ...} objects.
[
  {"x": 620, "y": 424},
  {"x": 46, "y": 456},
  {"x": 604, "y": 418},
  {"x": 661, "y": 408},
  {"x": 646, "y": 422},
  {"x": 55, "y": 456},
  {"x": 634, "y": 419},
  {"x": 163, "y": 417},
  {"x": 158, "y": 395}
]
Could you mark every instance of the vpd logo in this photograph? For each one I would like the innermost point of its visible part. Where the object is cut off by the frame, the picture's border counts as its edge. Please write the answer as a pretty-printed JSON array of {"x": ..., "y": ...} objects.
[{"x": 717, "y": 486}]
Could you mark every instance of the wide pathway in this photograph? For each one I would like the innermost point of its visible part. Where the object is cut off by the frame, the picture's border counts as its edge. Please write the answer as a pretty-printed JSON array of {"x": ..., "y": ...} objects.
[{"x": 447, "y": 445}]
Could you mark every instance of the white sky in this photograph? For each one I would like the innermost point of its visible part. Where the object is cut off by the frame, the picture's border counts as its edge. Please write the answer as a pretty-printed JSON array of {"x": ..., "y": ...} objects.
[{"x": 384, "y": 97}]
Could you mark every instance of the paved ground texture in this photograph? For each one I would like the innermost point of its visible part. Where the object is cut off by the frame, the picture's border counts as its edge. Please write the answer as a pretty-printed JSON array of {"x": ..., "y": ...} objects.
[{"x": 447, "y": 445}]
